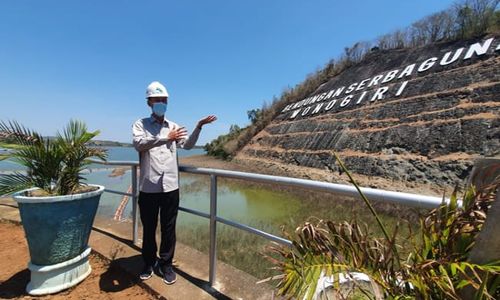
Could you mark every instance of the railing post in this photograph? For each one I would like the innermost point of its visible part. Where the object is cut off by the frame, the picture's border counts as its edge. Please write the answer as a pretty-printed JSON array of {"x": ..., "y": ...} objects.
[
  {"x": 134, "y": 205},
  {"x": 213, "y": 232}
]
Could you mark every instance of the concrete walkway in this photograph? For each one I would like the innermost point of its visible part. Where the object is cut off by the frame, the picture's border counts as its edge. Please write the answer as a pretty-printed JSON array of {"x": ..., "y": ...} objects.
[{"x": 190, "y": 265}]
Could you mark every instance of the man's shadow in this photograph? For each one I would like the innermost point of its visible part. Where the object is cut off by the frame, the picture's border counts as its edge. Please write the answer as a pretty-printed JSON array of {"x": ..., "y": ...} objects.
[
  {"x": 15, "y": 287},
  {"x": 115, "y": 279}
]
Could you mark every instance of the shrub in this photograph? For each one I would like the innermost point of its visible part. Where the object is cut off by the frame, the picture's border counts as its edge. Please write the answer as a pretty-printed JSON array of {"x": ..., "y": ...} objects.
[{"x": 436, "y": 268}]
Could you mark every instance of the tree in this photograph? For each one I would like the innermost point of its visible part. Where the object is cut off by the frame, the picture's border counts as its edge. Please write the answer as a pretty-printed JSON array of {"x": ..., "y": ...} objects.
[
  {"x": 234, "y": 129},
  {"x": 254, "y": 115},
  {"x": 473, "y": 17}
]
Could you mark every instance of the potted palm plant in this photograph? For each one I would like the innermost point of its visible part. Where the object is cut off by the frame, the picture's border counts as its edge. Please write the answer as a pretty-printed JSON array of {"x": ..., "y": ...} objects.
[{"x": 57, "y": 210}]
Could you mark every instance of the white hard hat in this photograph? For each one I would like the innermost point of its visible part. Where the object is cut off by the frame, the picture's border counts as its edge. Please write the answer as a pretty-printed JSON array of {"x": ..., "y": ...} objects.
[{"x": 156, "y": 89}]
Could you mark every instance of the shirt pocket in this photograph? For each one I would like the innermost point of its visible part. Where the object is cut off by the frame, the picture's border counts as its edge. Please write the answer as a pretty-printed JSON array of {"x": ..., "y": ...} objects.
[{"x": 173, "y": 147}]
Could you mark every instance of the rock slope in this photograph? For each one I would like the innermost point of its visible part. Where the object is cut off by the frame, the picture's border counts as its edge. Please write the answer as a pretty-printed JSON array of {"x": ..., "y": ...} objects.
[{"x": 413, "y": 115}]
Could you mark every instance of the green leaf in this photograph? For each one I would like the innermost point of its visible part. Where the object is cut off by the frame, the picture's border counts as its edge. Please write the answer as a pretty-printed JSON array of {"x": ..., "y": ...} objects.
[
  {"x": 14, "y": 182},
  {"x": 453, "y": 269},
  {"x": 480, "y": 292}
]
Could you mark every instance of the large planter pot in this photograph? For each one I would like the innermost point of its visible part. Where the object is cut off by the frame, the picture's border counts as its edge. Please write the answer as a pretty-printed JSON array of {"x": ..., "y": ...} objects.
[{"x": 57, "y": 229}]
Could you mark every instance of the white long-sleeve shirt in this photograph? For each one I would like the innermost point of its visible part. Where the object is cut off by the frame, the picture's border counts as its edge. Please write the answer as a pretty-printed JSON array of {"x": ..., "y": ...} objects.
[{"x": 159, "y": 170}]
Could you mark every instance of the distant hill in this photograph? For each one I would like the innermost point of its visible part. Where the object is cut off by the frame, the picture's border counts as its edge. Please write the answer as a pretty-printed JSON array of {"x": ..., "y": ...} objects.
[{"x": 100, "y": 143}]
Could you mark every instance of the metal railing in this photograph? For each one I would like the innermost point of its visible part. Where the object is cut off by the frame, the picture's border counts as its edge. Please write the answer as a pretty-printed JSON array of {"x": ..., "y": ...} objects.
[{"x": 408, "y": 199}]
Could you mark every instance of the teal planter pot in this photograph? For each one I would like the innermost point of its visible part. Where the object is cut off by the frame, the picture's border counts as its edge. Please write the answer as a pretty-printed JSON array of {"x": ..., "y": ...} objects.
[{"x": 57, "y": 230}]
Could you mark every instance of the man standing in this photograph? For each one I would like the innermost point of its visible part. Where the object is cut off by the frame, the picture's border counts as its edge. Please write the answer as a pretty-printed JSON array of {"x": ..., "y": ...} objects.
[{"x": 157, "y": 139}]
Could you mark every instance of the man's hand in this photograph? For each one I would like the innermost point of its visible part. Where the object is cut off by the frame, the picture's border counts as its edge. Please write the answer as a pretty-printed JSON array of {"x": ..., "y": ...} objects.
[
  {"x": 177, "y": 134},
  {"x": 206, "y": 120}
]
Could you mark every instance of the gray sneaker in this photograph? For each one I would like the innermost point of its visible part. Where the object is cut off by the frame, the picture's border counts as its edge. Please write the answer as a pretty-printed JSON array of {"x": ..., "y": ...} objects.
[
  {"x": 146, "y": 273},
  {"x": 168, "y": 275}
]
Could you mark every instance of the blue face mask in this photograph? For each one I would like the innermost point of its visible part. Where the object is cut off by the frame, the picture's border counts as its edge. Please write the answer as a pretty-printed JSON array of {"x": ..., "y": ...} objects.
[{"x": 159, "y": 108}]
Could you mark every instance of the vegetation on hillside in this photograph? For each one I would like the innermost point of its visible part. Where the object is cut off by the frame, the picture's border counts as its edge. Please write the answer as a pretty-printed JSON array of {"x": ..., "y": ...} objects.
[
  {"x": 463, "y": 20},
  {"x": 224, "y": 145}
]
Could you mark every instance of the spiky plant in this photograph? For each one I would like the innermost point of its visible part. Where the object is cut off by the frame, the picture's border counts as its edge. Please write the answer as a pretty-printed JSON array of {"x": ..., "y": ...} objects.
[
  {"x": 436, "y": 268},
  {"x": 331, "y": 249},
  {"x": 53, "y": 165}
]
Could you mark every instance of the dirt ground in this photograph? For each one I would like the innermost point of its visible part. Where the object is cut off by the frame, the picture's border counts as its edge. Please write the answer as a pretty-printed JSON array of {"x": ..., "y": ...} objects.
[{"x": 105, "y": 282}]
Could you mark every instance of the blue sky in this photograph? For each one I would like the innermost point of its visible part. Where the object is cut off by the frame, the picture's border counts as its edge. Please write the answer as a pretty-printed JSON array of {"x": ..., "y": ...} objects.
[{"x": 92, "y": 60}]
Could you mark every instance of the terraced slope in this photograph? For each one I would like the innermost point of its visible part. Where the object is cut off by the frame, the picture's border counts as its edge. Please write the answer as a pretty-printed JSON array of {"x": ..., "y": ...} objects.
[{"x": 414, "y": 115}]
